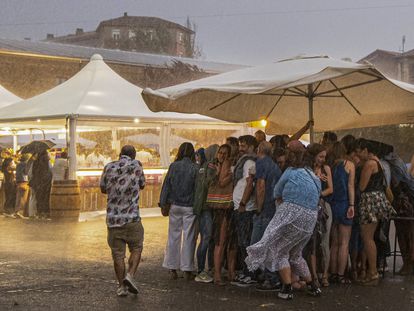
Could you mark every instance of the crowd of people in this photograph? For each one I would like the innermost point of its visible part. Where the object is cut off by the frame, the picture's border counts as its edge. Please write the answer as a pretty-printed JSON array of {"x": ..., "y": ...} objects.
[
  {"x": 27, "y": 183},
  {"x": 281, "y": 216},
  {"x": 271, "y": 214}
]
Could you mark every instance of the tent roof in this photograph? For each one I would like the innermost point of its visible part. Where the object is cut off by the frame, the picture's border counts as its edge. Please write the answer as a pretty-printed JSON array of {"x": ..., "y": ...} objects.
[
  {"x": 95, "y": 92},
  {"x": 7, "y": 97}
]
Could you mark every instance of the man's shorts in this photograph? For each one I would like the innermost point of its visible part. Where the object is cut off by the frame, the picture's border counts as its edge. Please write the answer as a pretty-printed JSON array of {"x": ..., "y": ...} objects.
[{"x": 131, "y": 234}]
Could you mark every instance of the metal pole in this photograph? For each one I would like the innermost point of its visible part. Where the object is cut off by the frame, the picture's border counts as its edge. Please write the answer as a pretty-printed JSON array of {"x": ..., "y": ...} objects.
[
  {"x": 310, "y": 99},
  {"x": 72, "y": 148},
  {"x": 15, "y": 143}
]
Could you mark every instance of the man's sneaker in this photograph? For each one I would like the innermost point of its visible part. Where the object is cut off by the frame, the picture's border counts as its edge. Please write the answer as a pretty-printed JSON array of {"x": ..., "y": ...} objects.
[
  {"x": 246, "y": 282},
  {"x": 130, "y": 284},
  {"x": 203, "y": 277},
  {"x": 313, "y": 290},
  {"x": 9, "y": 215},
  {"x": 267, "y": 286},
  {"x": 122, "y": 291},
  {"x": 20, "y": 215},
  {"x": 286, "y": 292}
]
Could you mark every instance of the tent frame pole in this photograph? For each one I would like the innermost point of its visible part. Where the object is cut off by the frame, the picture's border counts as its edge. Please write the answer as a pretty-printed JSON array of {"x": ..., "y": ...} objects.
[{"x": 72, "y": 148}]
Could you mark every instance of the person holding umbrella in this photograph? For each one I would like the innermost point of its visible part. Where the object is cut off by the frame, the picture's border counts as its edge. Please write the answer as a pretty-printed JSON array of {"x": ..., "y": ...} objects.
[
  {"x": 41, "y": 183},
  {"x": 7, "y": 168}
]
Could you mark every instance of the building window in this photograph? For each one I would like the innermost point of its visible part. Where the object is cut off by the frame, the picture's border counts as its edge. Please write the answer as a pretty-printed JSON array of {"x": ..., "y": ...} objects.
[
  {"x": 180, "y": 37},
  {"x": 131, "y": 34},
  {"x": 116, "y": 34},
  {"x": 150, "y": 34}
]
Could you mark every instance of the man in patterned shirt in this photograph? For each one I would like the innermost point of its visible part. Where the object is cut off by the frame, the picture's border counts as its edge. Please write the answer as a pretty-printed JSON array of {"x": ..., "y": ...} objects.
[{"x": 122, "y": 180}]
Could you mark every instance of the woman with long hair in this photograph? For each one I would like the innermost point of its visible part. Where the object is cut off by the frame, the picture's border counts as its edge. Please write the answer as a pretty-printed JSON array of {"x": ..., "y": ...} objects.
[
  {"x": 342, "y": 204},
  {"x": 290, "y": 229},
  {"x": 318, "y": 246},
  {"x": 177, "y": 194},
  {"x": 373, "y": 205},
  {"x": 219, "y": 199}
]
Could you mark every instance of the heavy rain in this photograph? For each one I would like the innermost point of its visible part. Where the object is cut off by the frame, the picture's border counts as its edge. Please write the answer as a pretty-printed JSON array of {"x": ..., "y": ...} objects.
[{"x": 178, "y": 155}]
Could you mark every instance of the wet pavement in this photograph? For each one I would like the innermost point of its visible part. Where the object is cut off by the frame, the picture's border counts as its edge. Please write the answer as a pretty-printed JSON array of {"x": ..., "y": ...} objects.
[{"x": 67, "y": 266}]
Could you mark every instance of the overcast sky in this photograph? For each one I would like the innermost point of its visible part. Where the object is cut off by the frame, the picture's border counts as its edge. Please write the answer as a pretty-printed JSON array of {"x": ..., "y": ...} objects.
[{"x": 235, "y": 31}]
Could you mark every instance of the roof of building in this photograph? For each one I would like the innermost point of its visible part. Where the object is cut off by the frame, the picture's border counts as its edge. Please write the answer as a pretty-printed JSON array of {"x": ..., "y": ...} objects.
[
  {"x": 115, "y": 56},
  {"x": 408, "y": 53},
  {"x": 147, "y": 21},
  {"x": 78, "y": 38},
  {"x": 380, "y": 52}
]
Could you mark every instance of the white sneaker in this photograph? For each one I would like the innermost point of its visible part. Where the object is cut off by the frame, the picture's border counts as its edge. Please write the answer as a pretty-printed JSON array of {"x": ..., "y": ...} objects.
[
  {"x": 130, "y": 284},
  {"x": 203, "y": 277},
  {"x": 246, "y": 282},
  {"x": 9, "y": 215},
  {"x": 122, "y": 291},
  {"x": 20, "y": 215}
]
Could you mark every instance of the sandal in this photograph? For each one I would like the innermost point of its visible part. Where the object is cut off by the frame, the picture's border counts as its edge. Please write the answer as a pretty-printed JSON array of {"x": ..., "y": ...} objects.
[
  {"x": 324, "y": 282},
  {"x": 372, "y": 280},
  {"x": 343, "y": 280},
  {"x": 362, "y": 276}
]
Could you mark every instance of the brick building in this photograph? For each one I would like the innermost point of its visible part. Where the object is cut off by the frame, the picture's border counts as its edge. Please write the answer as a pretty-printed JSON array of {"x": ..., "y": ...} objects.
[
  {"x": 396, "y": 65},
  {"x": 135, "y": 33},
  {"x": 30, "y": 68}
]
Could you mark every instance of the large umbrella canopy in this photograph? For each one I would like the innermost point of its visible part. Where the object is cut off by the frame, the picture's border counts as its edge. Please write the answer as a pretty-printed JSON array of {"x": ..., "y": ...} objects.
[
  {"x": 7, "y": 97},
  {"x": 37, "y": 146},
  {"x": 336, "y": 94}
]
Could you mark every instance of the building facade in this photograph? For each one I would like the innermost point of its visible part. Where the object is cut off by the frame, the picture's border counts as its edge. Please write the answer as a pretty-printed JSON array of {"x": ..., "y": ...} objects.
[
  {"x": 29, "y": 68},
  {"x": 396, "y": 65},
  {"x": 135, "y": 33}
]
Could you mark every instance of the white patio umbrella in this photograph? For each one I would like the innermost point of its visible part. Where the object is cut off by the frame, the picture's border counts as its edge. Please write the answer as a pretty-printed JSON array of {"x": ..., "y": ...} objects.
[{"x": 335, "y": 94}]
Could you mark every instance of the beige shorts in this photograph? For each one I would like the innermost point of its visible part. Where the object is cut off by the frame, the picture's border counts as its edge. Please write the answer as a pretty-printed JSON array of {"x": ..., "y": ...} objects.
[{"x": 131, "y": 234}]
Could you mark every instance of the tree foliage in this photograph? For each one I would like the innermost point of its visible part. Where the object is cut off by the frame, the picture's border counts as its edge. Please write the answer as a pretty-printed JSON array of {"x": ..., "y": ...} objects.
[{"x": 174, "y": 73}]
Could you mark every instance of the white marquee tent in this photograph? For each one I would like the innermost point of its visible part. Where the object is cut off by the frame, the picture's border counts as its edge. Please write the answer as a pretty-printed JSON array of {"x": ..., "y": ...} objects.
[
  {"x": 7, "y": 97},
  {"x": 95, "y": 94}
]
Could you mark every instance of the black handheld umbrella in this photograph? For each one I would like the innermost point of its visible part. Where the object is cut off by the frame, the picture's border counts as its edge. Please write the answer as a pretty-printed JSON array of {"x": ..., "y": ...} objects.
[{"x": 37, "y": 146}]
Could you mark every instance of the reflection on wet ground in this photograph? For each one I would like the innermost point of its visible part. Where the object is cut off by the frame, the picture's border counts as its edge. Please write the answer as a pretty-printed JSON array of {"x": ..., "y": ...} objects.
[{"x": 67, "y": 266}]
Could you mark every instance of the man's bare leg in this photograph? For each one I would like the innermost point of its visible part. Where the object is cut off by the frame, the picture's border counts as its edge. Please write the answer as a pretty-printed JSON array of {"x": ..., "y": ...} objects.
[{"x": 133, "y": 262}]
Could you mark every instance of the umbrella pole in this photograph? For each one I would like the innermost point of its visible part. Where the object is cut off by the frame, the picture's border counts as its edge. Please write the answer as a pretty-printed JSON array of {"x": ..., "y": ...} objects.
[{"x": 310, "y": 101}]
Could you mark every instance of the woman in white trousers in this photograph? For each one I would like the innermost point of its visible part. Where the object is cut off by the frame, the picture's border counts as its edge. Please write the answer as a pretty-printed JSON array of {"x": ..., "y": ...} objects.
[{"x": 178, "y": 194}]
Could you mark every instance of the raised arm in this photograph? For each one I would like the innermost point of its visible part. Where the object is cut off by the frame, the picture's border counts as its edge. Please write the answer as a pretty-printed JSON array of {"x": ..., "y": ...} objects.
[
  {"x": 225, "y": 176},
  {"x": 302, "y": 131},
  {"x": 351, "y": 188},
  {"x": 329, "y": 188}
]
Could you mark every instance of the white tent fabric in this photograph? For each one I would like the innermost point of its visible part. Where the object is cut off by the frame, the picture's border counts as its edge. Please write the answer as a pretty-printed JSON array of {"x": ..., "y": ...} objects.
[
  {"x": 96, "y": 91},
  {"x": 150, "y": 139},
  {"x": 60, "y": 143},
  {"x": 7, "y": 97},
  {"x": 342, "y": 94}
]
